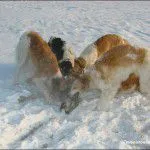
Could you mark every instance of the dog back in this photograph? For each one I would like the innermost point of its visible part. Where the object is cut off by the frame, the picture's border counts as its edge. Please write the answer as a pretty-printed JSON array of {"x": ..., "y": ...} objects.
[{"x": 42, "y": 56}]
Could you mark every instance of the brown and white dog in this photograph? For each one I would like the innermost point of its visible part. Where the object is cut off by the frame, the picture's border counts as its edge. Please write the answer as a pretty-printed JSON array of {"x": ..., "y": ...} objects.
[
  {"x": 36, "y": 62},
  {"x": 95, "y": 50},
  {"x": 122, "y": 68}
]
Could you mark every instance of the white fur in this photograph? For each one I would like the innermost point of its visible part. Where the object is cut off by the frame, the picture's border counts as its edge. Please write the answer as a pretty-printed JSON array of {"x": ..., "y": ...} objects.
[
  {"x": 89, "y": 54},
  {"x": 110, "y": 87},
  {"x": 58, "y": 75},
  {"x": 144, "y": 73},
  {"x": 68, "y": 54},
  {"x": 132, "y": 56},
  {"x": 25, "y": 67},
  {"x": 21, "y": 50}
]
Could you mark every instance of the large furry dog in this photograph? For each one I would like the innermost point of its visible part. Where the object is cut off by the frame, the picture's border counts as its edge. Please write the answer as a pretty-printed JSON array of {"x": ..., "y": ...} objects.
[
  {"x": 64, "y": 54},
  {"x": 95, "y": 50},
  {"x": 121, "y": 68},
  {"x": 36, "y": 61}
]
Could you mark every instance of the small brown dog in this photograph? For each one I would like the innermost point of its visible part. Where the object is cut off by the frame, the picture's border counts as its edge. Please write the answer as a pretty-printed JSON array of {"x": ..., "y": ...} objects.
[{"x": 36, "y": 61}]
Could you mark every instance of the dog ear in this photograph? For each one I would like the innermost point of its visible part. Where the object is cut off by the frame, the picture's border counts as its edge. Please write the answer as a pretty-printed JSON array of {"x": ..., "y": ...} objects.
[
  {"x": 81, "y": 62},
  {"x": 56, "y": 41},
  {"x": 57, "y": 46},
  {"x": 79, "y": 65}
]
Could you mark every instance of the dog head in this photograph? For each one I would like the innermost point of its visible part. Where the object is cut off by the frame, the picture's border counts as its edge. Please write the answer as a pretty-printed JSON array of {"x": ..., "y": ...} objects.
[
  {"x": 65, "y": 67},
  {"x": 57, "y": 46}
]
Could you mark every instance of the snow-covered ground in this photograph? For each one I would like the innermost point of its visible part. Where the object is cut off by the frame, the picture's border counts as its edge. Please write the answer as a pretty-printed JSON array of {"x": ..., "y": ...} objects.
[{"x": 35, "y": 124}]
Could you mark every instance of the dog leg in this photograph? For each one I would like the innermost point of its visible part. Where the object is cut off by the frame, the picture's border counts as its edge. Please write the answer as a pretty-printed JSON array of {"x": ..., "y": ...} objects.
[
  {"x": 106, "y": 96},
  {"x": 42, "y": 87}
]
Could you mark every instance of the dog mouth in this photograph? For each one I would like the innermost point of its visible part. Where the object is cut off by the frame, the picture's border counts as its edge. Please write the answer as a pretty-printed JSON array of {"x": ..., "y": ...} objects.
[{"x": 71, "y": 103}]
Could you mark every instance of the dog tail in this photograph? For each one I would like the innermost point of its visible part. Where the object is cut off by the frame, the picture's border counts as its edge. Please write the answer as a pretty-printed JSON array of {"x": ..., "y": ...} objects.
[
  {"x": 22, "y": 49},
  {"x": 21, "y": 57}
]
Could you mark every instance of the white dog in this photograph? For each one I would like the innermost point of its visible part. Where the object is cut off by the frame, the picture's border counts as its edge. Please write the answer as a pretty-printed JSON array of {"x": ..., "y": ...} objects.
[{"x": 36, "y": 62}]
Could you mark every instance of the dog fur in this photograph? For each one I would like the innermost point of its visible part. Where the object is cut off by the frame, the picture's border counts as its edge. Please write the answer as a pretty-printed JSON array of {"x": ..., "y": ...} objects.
[
  {"x": 95, "y": 50},
  {"x": 121, "y": 68},
  {"x": 64, "y": 54},
  {"x": 36, "y": 62}
]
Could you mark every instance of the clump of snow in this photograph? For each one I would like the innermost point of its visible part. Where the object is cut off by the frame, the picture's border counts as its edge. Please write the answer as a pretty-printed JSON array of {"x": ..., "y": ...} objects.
[{"x": 35, "y": 124}]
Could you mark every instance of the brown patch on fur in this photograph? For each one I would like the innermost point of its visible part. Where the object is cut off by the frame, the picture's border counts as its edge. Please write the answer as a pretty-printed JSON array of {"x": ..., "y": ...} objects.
[
  {"x": 79, "y": 65},
  {"x": 132, "y": 81},
  {"x": 107, "y": 42},
  {"x": 123, "y": 55},
  {"x": 42, "y": 56}
]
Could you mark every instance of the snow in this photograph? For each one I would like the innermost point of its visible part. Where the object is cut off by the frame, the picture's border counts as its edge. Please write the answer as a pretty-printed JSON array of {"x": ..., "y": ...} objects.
[{"x": 35, "y": 124}]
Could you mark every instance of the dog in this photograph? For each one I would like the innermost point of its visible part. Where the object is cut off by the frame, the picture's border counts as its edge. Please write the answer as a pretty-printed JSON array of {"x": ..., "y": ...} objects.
[
  {"x": 92, "y": 52},
  {"x": 36, "y": 62},
  {"x": 122, "y": 68},
  {"x": 64, "y": 54},
  {"x": 96, "y": 50}
]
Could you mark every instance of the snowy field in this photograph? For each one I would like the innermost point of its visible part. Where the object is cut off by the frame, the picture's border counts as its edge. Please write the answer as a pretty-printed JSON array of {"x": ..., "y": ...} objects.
[{"x": 35, "y": 124}]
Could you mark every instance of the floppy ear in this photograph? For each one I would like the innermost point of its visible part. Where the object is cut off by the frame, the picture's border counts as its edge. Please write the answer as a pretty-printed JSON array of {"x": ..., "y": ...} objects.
[
  {"x": 81, "y": 62},
  {"x": 57, "y": 45},
  {"x": 79, "y": 65}
]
